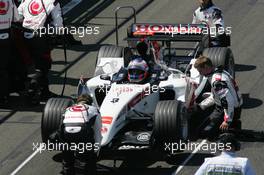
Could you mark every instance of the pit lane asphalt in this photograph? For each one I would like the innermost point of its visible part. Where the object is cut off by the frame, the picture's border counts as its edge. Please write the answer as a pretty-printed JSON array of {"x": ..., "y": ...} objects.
[{"x": 20, "y": 124}]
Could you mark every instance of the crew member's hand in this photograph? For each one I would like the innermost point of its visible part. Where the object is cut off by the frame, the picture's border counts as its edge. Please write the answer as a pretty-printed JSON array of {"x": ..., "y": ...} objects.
[{"x": 224, "y": 126}]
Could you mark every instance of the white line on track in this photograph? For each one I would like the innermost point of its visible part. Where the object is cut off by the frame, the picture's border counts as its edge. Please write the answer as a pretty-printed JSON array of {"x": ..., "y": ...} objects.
[
  {"x": 189, "y": 158},
  {"x": 65, "y": 9},
  {"x": 27, "y": 160},
  {"x": 70, "y": 5}
]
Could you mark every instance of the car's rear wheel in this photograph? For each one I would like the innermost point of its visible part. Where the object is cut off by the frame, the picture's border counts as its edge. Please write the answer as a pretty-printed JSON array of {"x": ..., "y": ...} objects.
[
  {"x": 52, "y": 116},
  {"x": 221, "y": 56},
  {"x": 112, "y": 51}
]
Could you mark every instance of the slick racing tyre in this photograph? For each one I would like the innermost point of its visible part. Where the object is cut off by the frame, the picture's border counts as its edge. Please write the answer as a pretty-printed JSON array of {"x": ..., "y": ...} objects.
[
  {"x": 52, "y": 116},
  {"x": 170, "y": 124},
  {"x": 110, "y": 52},
  {"x": 221, "y": 56}
]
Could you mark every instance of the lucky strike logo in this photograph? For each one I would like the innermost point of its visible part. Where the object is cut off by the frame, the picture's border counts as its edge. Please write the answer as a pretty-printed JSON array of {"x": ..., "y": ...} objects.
[
  {"x": 35, "y": 8},
  {"x": 4, "y": 7}
]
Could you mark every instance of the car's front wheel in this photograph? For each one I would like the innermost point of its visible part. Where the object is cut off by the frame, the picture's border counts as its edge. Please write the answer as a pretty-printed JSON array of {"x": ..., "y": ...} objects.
[
  {"x": 170, "y": 123},
  {"x": 52, "y": 116}
]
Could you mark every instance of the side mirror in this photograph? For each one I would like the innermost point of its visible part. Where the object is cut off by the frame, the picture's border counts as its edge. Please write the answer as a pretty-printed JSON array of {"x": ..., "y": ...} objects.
[{"x": 105, "y": 77}]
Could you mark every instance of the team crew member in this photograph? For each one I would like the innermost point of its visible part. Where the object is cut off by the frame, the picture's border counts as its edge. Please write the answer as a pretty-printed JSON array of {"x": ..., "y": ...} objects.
[
  {"x": 38, "y": 14},
  {"x": 224, "y": 94},
  {"x": 81, "y": 125},
  {"x": 227, "y": 162},
  {"x": 142, "y": 49},
  {"x": 209, "y": 13},
  {"x": 8, "y": 13}
]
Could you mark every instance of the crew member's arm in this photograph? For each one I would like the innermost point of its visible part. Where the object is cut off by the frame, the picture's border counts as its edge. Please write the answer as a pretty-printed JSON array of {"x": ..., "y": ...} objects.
[
  {"x": 206, "y": 103},
  {"x": 16, "y": 16},
  {"x": 195, "y": 19},
  {"x": 20, "y": 9},
  {"x": 227, "y": 100},
  {"x": 56, "y": 15},
  {"x": 218, "y": 19}
]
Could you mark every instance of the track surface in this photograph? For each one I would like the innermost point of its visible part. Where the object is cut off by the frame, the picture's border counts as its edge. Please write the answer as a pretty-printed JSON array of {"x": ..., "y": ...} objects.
[{"x": 20, "y": 124}]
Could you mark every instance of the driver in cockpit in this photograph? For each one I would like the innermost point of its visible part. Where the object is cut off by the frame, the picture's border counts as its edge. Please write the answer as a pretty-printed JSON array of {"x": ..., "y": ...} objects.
[{"x": 138, "y": 70}]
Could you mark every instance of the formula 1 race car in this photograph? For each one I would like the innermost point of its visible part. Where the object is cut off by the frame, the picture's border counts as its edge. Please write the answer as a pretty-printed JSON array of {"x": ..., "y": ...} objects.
[{"x": 151, "y": 114}]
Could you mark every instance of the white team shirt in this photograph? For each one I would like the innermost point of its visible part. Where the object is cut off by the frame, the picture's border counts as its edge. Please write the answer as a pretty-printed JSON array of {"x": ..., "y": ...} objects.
[
  {"x": 8, "y": 13},
  {"x": 212, "y": 16},
  {"x": 82, "y": 113},
  {"x": 225, "y": 164},
  {"x": 35, "y": 15},
  {"x": 227, "y": 91}
]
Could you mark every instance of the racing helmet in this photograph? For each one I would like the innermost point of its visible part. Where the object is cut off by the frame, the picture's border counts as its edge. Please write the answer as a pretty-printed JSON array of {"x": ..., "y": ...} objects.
[{"x": 137, "y": 70}]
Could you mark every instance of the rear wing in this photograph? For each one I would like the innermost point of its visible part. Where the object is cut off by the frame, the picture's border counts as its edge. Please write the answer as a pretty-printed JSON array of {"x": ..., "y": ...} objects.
[{"x": 165, "y": 32}]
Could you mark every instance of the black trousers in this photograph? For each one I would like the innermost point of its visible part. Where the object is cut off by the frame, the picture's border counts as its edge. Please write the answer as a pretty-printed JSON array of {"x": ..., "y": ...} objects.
[
  {"x": 5, "y": 45},
  {"x": 217, "y": 118},
  {"x": 78, "y": 163},
  {"x": 40, "y": 53}
]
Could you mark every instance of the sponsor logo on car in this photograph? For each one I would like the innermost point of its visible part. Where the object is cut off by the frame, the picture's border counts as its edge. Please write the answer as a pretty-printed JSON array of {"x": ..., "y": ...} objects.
[
  {"x": 114, "y": 100},
  {"x": 107, "y": 120},
  {"x": 152, "y": 29},
  {"x": 143, "y": 137}
]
